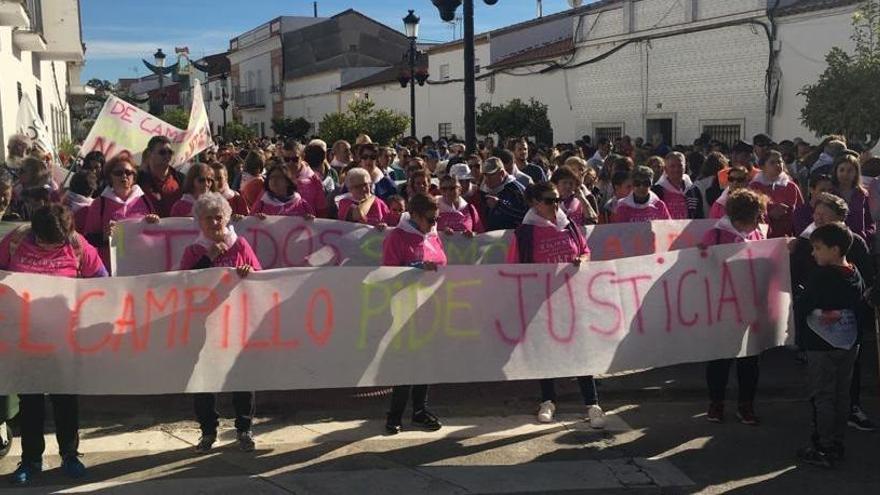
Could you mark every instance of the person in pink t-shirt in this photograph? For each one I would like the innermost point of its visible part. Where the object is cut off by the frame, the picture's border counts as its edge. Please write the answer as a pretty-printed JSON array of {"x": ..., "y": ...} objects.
[
  {"x": 281, "y": 198},
  {"x": 121, "y": 199},
  {"x": 547, "y": 235},
  {"x": 199, "y": 180},
  {"x": 308, "y": 183},
  {"x": 745, "y": 208},
  {"x": 456, "y": 214},
  {"x": 737, "y": 178},
  {"x": 50, "y": 246},
  {"x": 359, "y": 204},
  {"x": 396, "y": 209},
  {"x": 642, "y": 205},
  {"x": 574, "y": 200},
  {"x": 785, "y": 196},
  {"x": 219, "y": 246},
  {"x": 414, "y": 243}
]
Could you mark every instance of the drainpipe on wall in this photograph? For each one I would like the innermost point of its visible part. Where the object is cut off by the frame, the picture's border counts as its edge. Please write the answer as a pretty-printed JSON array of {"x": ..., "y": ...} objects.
[{"x": 772, "y": 81}]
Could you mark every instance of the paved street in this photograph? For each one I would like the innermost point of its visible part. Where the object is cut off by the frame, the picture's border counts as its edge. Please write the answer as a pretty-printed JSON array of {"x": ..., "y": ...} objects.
[{"x": 657, "y": 441}]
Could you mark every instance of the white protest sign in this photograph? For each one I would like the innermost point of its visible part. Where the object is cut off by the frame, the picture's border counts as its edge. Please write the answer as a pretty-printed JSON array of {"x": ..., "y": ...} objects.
[
  {"x": 303, "y": 328},
  {"x": 280, "y": 242},
  {"x": 29, "y": 123},
  {"x": 122, "y": 126}
]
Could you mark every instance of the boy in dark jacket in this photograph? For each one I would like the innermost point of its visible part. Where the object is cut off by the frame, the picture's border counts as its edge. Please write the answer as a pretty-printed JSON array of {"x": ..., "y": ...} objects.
[{"x": 830, "y": 309}]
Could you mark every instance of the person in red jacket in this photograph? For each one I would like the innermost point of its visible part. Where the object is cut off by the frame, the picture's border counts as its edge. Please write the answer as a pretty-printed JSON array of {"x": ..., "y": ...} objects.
[
  {"x": 199, "y": 180},
  {"x": 414, "y": 243},
  {"x": 785, "y": 196},
  {"x": 236, "y": 201},
  {"x": 745, "y": 208},
  {"x": 50, "y": 246},
  {"x": 548, "y": 235},
  {"x": 219, "y": 246}
]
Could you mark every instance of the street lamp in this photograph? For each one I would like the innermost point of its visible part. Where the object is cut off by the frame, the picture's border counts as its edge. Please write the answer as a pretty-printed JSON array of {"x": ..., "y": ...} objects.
[
  {"x": 411, "y": 26},
  {"x": 447, "y": 10},
  {"x": 224, "y": 102},
  {"x": 159, "y": 59}
]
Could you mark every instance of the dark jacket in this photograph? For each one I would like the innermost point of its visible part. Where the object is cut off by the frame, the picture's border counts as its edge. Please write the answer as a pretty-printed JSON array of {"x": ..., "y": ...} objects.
[
  {"x": 693, "y": 197},
  {"x": 829, "y": 288},
  {"x": 510, "y": 210}
]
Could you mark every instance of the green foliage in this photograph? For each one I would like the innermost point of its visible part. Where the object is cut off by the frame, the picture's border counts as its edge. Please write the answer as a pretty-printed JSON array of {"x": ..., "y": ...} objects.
[
  {"x": 236, "y": 131},
  {"x": 515, "y": 119},
  {"x": 291, "y": 128},
  {"x": 845, "y": 99},
  {"x": 177, "y": 117},
  {"x": 362, "y": 117}
]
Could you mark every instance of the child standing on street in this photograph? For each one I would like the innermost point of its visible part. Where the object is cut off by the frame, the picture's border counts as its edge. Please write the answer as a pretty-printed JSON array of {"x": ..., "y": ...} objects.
[{"x": 831, "y": 306}]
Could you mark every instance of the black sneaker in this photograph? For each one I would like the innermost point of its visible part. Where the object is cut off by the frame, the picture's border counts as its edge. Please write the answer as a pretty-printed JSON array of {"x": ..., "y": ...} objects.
[
  {"x": 425, "y": 419},
  {"x": 836, "y": 452},
  {"x": 816, "y": 457},
  {"x": 393, "y": 425},
  {"x": 859, "y": 420}
]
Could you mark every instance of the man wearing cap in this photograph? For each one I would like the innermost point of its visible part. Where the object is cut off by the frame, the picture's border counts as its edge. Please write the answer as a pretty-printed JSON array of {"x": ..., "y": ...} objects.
[{"x": 503, "y": 197}]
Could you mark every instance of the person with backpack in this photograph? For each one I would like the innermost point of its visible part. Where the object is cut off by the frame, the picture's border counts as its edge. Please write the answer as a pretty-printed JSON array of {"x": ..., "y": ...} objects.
[
  {"x": 49, "y": 246},
  {"x": 548, "y": 235}
]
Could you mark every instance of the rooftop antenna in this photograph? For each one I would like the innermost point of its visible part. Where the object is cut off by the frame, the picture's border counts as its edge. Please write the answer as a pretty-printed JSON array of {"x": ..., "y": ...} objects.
[
  {"x": 315, "y": 8},
  {"x": 540, "y": 9}
]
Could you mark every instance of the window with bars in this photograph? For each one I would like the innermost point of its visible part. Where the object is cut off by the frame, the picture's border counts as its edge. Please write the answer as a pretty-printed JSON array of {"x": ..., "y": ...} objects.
[
  {"x": 727, "y": 133},
  {"x": 444, "y": 130},
  {"x": 611, "y": 132}
]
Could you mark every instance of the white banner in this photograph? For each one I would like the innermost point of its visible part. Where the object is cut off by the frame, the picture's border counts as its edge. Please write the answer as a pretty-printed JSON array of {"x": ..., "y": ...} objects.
[
  {"x": 122, "y": 126},
  {"x": 280, "y": 242},
  {"x": 303, "y": 328}
]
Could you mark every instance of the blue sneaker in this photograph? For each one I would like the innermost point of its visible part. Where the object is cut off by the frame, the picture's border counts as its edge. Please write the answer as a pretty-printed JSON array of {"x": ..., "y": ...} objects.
[
  {"x": 26, "y": 472},
  {"x": 73, "y": 467}
]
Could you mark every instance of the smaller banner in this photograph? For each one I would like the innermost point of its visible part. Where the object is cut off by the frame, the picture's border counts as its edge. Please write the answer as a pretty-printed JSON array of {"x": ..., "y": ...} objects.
[{"x": 280, "y": 242}]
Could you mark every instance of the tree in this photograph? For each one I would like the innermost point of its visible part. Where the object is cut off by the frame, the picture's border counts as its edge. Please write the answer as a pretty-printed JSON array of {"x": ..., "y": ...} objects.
[
  {"x": 291, "y": 128},
  {"x": 515, "y": 119},
  {"x": 236, "y": 131},
  {"x": 845, "y": 99},
  {"x": 177, "y": 117},
  {"x": 362, "y": 117}
]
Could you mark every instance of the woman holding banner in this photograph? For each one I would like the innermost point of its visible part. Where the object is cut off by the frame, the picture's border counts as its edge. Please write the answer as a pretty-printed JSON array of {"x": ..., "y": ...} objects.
[
  {"x": 745, "y": 208},
  {"x": 415, "y": 243},
  {"x": 50, "y": 246},
  {"x": 122, "y": 199},
  {"x": 359, "y": 204},
  {"x": 547, "y": 235},
  {"x": 219, "y": 246},
  {"x": 199, "y": 180}
]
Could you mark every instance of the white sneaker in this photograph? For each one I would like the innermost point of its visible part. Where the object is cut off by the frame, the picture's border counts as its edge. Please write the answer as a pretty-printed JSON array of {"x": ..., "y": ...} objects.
[
  {"x": 596, "y": 417},
  {"x": 546, "y": 411}
]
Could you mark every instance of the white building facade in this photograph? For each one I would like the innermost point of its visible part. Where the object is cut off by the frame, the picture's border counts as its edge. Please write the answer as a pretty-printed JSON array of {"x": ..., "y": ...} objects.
[{"x": 41, "y": 55}]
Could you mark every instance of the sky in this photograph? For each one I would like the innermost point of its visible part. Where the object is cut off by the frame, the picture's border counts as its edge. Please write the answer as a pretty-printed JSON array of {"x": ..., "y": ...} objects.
[{"x": 119, "y": 33}]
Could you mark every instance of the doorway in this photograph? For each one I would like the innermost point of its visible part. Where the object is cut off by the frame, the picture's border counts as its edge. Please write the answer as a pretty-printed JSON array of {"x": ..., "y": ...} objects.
[{"x": 662, "y": 126}]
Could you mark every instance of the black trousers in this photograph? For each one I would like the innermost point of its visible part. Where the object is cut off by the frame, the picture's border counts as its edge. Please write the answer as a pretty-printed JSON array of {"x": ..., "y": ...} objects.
[
  {"x": 586, "y": 383},
  {"x": 32, "y": 414},
  {"x": 400, "y": 395},
  {"x": 209, "y": 419},
  {"x": 855, "y": 386},
  {"x": 718, "y": 371}
]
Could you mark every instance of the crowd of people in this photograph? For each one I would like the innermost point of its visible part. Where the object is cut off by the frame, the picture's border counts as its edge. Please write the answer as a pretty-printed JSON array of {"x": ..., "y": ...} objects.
[{"x": 822, "y": 197}]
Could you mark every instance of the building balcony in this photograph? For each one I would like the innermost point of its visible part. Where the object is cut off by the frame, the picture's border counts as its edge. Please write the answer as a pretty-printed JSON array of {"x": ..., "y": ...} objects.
[
  {"x": 251, "y": 98},
  {"x": 29, "y": 41},
  {"x": 64, "y": 36},
  {"x": 13, "y": 13}
]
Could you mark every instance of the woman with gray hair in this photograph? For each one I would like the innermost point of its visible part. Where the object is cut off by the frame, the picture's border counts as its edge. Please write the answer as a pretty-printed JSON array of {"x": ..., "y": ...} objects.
[
  {"x": 359, "y": 204},
  {"x": 219, "y": 246}
]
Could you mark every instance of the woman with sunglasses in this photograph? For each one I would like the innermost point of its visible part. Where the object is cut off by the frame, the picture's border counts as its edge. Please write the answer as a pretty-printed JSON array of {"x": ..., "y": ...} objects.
[
  {"x": 414, "y": 243},
  {"x": 383, "y": 186},
  {"x": 548, "y": 235},
  {"x": 121, "y": 199},
  {"x": 359, "y": 204},
  {"x": 642, "y": 204},
  {"x": 737, "y": 178},
  {"x": 456, "y": 214},
  {"x": 281, "y": 197},
  {"x": 199, "y": 180}
]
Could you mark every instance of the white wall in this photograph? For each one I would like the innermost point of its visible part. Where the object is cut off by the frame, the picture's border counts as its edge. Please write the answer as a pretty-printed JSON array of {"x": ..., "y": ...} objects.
[
  {"x": 18, "y": 67},
  {"x": 255, "y": 72},
  {"x": 313, "y": 97},
  {"x": 806, "y": 39}
]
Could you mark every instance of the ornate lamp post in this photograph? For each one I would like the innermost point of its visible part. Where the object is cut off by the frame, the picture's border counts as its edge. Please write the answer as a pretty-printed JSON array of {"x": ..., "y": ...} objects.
[
  {"x": 411, "y": 25},
  {"x": 447, "y": 10},
  {"x": 224, "y": 102},
  {"x": 159, "y": 59}
]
